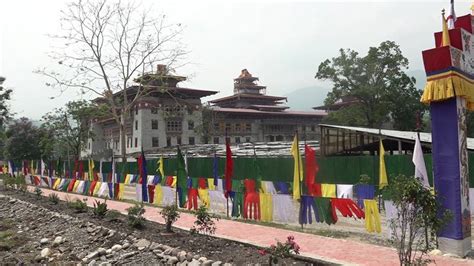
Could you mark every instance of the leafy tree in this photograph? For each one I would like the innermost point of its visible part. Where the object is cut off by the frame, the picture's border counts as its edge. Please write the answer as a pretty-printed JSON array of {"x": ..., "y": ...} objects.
[
  {"x": 107, "y": 45},
  {"x": 378, "y": 81},
  {"x": 68, "y": 128},
  {"x": 23, "y": 140},
  {"x": 4, "y": 97}
]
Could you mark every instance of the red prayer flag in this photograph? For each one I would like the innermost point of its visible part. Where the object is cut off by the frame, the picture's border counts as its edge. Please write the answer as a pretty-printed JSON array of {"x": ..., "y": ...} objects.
[
  {"x": 229, "y": 168},
  {"x": 311, "y": 168}
]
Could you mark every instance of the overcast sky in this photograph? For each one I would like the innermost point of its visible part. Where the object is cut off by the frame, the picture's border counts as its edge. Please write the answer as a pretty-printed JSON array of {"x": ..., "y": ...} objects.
[{"x": 282, "y": 42}]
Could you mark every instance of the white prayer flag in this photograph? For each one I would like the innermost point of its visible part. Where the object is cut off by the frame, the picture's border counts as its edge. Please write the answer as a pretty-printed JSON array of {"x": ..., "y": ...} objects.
[{"x": 419, "y": 162}]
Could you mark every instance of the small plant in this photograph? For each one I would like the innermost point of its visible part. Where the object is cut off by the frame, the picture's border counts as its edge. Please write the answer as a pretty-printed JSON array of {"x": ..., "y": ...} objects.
[
  {"x": 38, "y": 192},
  {"x": 204, "y": 222},
  {"x": 135, "y": 216},
  {"x": 170, "y": 214},
  {"x": 113, "y": 215},
  {"x": 20, "y": 183},
  {"x": 78, "y": 205},
  {"x": 281, "y": 250},
  {"x": 100, "y": 208},
  {"x": 54, "y": 198}
]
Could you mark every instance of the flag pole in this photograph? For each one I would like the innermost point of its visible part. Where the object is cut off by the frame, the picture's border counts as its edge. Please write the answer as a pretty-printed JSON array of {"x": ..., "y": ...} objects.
[
  {"x": 176, "y": 189},
  {"x": 299, "y": 166},
  {"x": 226, "y": 192}
]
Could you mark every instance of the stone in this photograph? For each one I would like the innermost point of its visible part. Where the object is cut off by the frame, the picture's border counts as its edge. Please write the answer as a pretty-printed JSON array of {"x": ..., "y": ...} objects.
[
  {"x": 101, "y": 251},
  {"x": 128, "y": 255},
  {"x": 116, "y": 247},
  {"x": 44, "y": 241},
  {"x": 38, "y": 258},
  {"x": 92, "y": 255},
  {"x": 202, "y": 259},
  {"x": 92, "y": 263},
  {"x": 108, "y": 251},
  {"x": 58, "y": 240},
  {"x": 172, "y": 260},
  {"x": 108, "y": 256},
  {"x": 142, "y": 244},
  {"x": 63, "y": 249},
  {"x": 181, "y": 256},
  {"x": 194, "y": 263},
  {"x": 435, "y": 252},
  {"x": 175, "y": 252},
  {"x": 46, "y": 252},
  {"x": 154, "y": 246},
  {"x": 168, "y": 251},
  {"x": 106, "y": 263},
  {"x": 90, "y": 230},
  {"x": 126, "y": 245},
  {"x": 217, "y": 263},
  {"x": 103, "y": 258},
  {"x": 208, "y": 263},
  {"x": 189, "y": 256}
]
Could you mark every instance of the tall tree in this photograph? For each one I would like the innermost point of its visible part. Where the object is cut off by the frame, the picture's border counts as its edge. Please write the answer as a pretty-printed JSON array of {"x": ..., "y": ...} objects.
[
  {"x": 378, "y": 81},
  {"x": 69, "y": 127},
  {"x": 107, "y": 46},
  {"x": 4, "y": 97},
  {"x": 23, "y": 140}
]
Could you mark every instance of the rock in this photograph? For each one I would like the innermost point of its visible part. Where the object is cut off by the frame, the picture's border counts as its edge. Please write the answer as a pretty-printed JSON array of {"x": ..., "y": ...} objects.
[
  {"x": 81, "y": 255},
  {"x": 90, "y": 230},
  {"x": 106, "y": 263},
  {"x": 12, "y": 201},
  {"x": 103, "y": 258},
  {"x": 101, "y": 251},
  {"x": 92, "y": 263},
  {"x": 202, "y": 259},
  {"x": 194, "y": 263},
  {"x": 217, "y": 263},
  {"x": 189, "y": 256},
  {"x": 63, "y": 249},
  {"x": 154, "y": 246},
  {"x": 116, "y": 247},
  {"x": 128, "y": 255},
  {"x": 108, "y": 251},
  {"x": 38, "y": 258},
  {"x": 142, "y": 244},
  {"x": 108, "y": 256},
  {"x": 126, "y": 245},
  {"x": 44, "y": 241},
  {"x": 175, "y": 252},
  {"x": 168, "y": 251},
  {"x": 46, "y": 252},
  {"x": 92, "y": 255},
  {"x": 172, "y": 260},
  {"x": 181, "y": 256},
  {"x": 435, "y": 252},
  {"x": 58, "y": 240},
  {"x": 208, "y": 263}
]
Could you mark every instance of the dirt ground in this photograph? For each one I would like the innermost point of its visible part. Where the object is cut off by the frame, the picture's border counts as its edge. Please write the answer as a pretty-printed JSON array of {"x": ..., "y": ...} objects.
[{"x": 29, "y": 219}]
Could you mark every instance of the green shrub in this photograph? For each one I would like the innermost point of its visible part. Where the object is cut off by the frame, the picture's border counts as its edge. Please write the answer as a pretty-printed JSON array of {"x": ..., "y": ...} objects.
[
  {"x": 78, "y": 205},
  {"x": 204, "y": 222},
  {"x": 38, "y": 192},
  {"x": 170, "y": 214},
  {"x": 135, "y": 216},
  {"x": 100, "y": 208},
  {"x": 54, "y": 198},
  {"x": 113, "y": 215}
]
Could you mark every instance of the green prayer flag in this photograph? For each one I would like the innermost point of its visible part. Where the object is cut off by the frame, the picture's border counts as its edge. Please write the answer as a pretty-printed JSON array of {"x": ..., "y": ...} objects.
[{"x": 181, "y": 176}]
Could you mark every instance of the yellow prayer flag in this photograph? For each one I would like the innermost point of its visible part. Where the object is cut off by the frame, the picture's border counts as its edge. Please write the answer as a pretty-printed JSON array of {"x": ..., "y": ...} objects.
[
  {"x": 382, "y": 170},
  {"x": 298, "y": 169},
  {"x": 91, "y": 169},
  {"x": 161, "y": 167}
]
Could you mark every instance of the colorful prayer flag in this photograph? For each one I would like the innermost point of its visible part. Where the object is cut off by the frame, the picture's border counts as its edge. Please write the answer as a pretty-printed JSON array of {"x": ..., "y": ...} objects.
[
  {"x": 311, "y": 168},
  {"x": 215, "y": 164},
  {"x": 181, "y": 181},
  {"x": 419, "y": 162},
  {"x": 229, "y": 168},
  {"x": 91, "y": 169},
  {"x": 161, "y": 167},
  {"x": 382, "y": 170},
  {"x": 298, "y": 168},
  {"x": 143, "y": 176}
]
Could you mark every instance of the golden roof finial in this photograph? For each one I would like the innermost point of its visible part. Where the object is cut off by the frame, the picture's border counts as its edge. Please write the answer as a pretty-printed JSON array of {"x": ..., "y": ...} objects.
[{"x": 442, "y": 12}]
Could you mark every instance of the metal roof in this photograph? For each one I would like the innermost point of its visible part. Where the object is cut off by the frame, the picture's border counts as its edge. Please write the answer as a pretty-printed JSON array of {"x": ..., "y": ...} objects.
[{"x": 396, "y": 134}]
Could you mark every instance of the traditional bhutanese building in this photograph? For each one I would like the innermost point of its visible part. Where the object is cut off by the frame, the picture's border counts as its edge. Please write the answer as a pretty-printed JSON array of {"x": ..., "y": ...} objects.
[
  {"x": 167, "y": 115},
  {"x": 250, "y": 115}
]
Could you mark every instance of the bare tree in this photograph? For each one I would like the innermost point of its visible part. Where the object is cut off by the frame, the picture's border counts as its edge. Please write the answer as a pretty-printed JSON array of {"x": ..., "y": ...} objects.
[{"x": 107, "y": 45}]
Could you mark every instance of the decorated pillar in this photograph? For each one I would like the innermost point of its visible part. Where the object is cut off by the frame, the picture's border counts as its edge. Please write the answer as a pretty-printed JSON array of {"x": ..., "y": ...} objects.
[{"x": 450, "y": 93}]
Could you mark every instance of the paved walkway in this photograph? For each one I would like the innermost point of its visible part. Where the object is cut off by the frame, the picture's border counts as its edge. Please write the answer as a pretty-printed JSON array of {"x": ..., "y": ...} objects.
[{"x": 342, "y": 251}]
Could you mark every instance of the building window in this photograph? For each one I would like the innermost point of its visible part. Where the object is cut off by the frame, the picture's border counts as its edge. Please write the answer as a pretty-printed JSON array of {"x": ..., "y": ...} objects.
[
  {"x": 154, "y": 124},
  {"x": 128, "y": 142},
  {"x": 216, "y": 127},
  {"x": 237, "y": 127},
  {"x": 191, "y": 141},
  {"x": 154, "y": 142},
  {"x": 248, "y": 127},
  {"x": 136, "y": 142},
  {"x": 237, "y": 140},
  {"x": 178, "y": 140},
  {"x": 216, "y": 140},
  {"x": 173, "y": 126},
  {"x": 190, "y": 125},
  {"x": 313, "y": 128},
  {"x": 227, "y": 127},
  {"x": 154, "y": 110},
  {"x": 279, "y": 138},
  {"x": 168, "y": 142},
  {"x": 247, "y": 139},
  {"x": 136, "y": 125},
  {"x": 136, "y": 110}
]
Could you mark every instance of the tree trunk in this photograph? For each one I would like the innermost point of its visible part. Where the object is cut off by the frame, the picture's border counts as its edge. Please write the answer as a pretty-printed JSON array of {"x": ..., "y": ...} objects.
[
  {"x": 122, "y": 138},
  {"x": 168, "y": 227}
]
